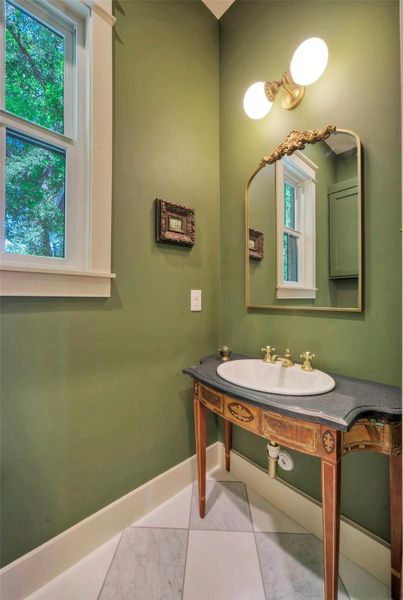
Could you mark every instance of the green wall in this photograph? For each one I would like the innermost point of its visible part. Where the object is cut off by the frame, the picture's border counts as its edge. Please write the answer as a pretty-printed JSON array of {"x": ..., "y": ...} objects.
[
  {"x": 94, "y": 400},
  {"x": 257, "y": 40}
]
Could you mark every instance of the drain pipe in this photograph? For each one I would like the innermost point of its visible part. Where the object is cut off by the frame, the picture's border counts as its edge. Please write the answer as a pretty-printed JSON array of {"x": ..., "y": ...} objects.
[{"x": 273, "y": 451}]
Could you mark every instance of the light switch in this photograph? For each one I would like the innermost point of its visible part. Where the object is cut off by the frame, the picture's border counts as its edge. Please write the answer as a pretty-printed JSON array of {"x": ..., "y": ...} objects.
[{"x": 195, "y": 300}]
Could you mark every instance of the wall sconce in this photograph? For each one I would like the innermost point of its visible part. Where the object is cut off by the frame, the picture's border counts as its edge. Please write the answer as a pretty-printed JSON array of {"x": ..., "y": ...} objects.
[{"x": 307, "y": 65}]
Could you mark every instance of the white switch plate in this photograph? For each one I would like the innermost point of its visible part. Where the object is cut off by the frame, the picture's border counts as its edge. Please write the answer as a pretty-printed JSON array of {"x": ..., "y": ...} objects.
[{"x": 195, "y": 300}]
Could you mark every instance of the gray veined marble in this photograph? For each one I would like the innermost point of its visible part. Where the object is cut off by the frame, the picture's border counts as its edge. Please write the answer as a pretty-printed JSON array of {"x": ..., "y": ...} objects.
[
  {"x": 227, "y": 507},
  {"x": 149, "y": 564},
  {"x": 292, "y": 566}
]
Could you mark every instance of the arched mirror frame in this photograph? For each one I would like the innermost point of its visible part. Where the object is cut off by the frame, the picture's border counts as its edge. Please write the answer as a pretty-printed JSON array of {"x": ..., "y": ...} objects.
[{"x": 296, "y": 140}]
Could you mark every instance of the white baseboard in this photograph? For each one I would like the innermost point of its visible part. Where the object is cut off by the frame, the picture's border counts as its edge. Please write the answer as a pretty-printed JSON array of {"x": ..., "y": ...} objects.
[
  {"x": 33, "y": 570},
  {"x": 357, "y": 544}
]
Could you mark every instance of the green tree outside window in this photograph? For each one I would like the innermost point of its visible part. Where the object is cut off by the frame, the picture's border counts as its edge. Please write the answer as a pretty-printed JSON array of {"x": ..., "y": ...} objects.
[{"x": 35, "y": 172}]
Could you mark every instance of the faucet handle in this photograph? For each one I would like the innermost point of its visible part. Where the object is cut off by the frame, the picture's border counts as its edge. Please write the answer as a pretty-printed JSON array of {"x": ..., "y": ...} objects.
[
  {"x": 225, "y": 353},
  {"x": 307, "y": 364},
  {"x": 268, "y": 352}
]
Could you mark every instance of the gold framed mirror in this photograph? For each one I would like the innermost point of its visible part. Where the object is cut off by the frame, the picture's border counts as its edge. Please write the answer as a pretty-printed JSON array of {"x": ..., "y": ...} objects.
[{"x": 303, "y": 224}]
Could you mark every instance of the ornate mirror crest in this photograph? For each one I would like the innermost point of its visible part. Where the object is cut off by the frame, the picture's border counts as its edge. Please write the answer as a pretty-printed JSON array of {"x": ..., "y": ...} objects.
[{"x": 296, "y": 140}]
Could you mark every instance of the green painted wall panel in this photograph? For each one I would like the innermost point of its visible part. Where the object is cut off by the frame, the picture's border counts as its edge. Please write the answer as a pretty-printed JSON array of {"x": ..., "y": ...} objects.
[
  {"x": 94, "y": 400},
  {"x": 257, "y": 40}
]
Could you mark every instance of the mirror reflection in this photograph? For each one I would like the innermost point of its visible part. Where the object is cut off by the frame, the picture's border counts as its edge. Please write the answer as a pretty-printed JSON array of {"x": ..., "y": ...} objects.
[{"x": 304, "y": 228}]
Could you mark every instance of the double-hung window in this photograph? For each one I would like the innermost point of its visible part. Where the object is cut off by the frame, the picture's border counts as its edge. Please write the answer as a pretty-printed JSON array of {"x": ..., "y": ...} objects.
[
  {"x": 295, "y": 206},
  {"x": 53, "y": 227}
]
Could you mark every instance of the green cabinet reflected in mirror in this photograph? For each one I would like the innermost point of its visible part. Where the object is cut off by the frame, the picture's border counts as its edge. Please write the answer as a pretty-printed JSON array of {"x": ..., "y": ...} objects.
[{"x": 305, "y": 201}]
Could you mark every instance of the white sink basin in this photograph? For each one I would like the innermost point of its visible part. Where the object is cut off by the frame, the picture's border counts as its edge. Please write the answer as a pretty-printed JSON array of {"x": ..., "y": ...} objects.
[{"x": 275, "y": 378}]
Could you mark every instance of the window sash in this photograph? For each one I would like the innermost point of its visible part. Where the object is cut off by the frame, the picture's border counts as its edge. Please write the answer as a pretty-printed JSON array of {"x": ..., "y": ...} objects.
[
  {"x": 70, "y": 204},
  {"x": 60, "y": 24},
  {"x": 285, "y": 281},
  {"x": 76, "y": 119},
  {"x": 298, "y": 232},
  {"x": 301, "y": 176}
]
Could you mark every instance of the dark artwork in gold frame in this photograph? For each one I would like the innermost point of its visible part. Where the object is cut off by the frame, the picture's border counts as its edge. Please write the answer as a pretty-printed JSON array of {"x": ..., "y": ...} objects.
[
  {"x": 174, "y": 224},
  {"x": 256, "y": 242}
]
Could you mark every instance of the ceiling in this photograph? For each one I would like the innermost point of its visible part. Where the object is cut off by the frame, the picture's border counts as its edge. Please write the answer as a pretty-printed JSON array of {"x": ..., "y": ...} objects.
[
  {"x": 218, "y": 7},
  {"x": 341, "y": 143}
]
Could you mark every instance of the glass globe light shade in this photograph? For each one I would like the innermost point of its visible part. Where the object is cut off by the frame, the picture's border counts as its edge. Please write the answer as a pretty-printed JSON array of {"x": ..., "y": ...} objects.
[
  {"x": 255, "y": 101},
  {"x": 309, "y": 61}
]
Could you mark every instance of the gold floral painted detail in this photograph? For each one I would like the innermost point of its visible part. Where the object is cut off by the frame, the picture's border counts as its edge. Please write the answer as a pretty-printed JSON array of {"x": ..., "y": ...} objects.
[
  {"x": 240, "y": 412},
  {"x": 195, "y": 388},
  {"x": 328, "y": 442},
  {"x": 296, "y": 140}
]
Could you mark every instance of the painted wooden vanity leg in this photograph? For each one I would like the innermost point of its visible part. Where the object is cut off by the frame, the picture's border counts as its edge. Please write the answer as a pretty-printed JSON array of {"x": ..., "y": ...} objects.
[
  {"x": 331, "y": 471},
  {"x": 200, "y": 434},
  {"x": 395, "y": 472},
  {"x": 227, "y": 442}
]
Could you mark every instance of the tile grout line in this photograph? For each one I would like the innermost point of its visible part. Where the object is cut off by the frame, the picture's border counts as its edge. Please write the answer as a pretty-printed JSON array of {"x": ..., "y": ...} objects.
[
  {"x": 287, "y": 533},
  {"x": 218, "y": 530},
  {"x": 344, "y": 585},
  {"x": 187, "y": 540},
  {"x": 223, "y": 481},
  {"x": 156, "y": 527},
  {"x": 254, "y": 537},
  {"x": 110, "y": 564},
  {"x": 306, "y": 532}
]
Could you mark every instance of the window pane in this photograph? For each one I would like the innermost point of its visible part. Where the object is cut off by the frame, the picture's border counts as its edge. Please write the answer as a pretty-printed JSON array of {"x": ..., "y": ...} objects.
[
  {"x": 290, "y": 257},
  {"x": 289, "y": 205},
  {"x": 34, "y": 70},
  {"x": 35, "y": 204}
]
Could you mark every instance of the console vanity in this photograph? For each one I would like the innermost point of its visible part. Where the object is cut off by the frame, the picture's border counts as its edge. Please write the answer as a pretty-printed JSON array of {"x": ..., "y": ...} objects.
[{"x": 356, "y": 416}]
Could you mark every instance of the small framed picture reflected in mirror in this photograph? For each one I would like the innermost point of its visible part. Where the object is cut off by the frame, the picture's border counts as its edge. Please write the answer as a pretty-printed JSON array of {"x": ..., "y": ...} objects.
[{"x": 255, "y": 244}]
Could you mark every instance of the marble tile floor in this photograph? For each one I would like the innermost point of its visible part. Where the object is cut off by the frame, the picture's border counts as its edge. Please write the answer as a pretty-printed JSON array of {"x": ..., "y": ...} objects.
[{"x": 244, "y": 549}]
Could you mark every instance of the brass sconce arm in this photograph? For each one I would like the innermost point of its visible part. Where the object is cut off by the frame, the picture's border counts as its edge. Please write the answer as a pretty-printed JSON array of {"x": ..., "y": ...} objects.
[{"x": 293, "y": 92}]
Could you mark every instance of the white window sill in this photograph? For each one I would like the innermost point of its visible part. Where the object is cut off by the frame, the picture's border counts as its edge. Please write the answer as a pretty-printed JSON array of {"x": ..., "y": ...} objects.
[
  {"x": 288, "y": 292},
  {"x": 40, "y": 281}
]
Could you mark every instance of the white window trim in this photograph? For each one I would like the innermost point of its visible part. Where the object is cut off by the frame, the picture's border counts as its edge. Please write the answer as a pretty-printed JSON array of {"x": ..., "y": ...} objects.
[
  {"x": 94, "y": 278},
  {"x": 303, "y": 170}
]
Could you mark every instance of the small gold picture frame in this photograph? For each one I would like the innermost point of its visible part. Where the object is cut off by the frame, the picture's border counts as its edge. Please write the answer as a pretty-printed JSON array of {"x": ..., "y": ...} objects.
[
  {"x": 174, "y": 224},
  {"x": 256, "y": 242}
]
